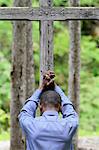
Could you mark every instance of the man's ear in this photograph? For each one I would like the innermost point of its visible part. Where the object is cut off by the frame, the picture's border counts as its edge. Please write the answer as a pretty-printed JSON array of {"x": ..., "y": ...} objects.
[
  {"x": 60, "y": 108},
  {"x": 40, "y": 107}
]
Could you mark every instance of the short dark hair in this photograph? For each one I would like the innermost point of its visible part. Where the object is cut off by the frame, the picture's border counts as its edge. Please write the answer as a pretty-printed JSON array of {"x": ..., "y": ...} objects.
[{"x": 50, "y": 97}]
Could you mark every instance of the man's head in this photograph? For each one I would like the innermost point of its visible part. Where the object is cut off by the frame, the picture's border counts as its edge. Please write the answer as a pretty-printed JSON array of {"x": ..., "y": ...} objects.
[{"x": 50, "y": 100}]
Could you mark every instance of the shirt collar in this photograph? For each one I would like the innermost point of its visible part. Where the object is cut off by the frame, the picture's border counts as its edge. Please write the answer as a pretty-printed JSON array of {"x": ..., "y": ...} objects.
[{"x": 50, "y": 113}]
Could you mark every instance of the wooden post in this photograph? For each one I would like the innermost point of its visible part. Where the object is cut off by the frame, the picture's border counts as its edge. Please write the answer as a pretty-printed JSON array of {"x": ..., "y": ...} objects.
[
  {"x": 74, "y": 64},
  {"x": 18, "y": 82},
  {"x": 46, "y": 41},
  {"x": 30, "y": 80},
  {"x": 22, "y": 76}
]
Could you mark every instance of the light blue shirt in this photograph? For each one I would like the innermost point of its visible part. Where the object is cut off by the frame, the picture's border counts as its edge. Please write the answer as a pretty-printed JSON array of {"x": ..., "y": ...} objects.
[{"x": 49, "y": 131}]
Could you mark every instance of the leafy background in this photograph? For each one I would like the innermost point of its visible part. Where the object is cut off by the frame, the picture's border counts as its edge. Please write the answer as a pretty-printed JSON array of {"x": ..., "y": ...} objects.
[{"x": 89, "y": 83}]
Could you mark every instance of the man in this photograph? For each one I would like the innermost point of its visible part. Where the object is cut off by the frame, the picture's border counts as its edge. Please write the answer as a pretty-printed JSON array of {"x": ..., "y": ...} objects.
[{"x": 49, "y": 131}]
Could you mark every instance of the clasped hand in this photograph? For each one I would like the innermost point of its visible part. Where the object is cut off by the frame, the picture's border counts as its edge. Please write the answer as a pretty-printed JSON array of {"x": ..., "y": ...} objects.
[{"x": 48, "y": 80}]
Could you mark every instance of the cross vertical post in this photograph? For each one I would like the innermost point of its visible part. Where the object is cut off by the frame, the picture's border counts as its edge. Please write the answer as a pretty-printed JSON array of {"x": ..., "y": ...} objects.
[
  {"x": 22, "y": 54},
  {"x": 46, "y": 41}
]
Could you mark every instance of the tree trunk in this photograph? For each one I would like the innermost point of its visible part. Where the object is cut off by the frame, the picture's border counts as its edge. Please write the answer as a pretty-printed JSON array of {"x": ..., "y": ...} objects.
[
  {"x": 22, "y": 74},
  {"x": 46, "y": 42},
  {"x": 74, "y": 64}
]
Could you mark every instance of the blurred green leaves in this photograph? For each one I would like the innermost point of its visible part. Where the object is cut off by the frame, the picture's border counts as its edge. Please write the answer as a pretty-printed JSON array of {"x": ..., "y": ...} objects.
[
  {"x": 90, "y": 55},
  {"x": 4, "y": 120},
  {"x": 89, "y": 94},
  {"x": 6, "y": 2},
  {"x": 4, "y": 83},
  {"x": 89, "y": 2}
]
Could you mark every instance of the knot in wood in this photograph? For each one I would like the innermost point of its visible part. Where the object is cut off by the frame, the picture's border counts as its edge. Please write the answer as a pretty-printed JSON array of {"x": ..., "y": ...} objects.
[{"x": 46, "y": 12}]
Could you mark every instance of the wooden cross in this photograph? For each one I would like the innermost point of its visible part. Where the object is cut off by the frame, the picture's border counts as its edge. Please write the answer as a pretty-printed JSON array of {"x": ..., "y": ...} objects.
[{"x": 46, "y": 14}]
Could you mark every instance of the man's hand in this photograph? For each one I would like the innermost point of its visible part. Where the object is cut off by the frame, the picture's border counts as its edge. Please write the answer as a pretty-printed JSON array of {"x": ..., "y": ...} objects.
[{"x": 48, "y": 80}]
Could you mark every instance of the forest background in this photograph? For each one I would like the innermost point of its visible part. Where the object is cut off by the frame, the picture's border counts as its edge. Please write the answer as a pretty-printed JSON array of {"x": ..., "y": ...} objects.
[{"x": 89, "y": 75}]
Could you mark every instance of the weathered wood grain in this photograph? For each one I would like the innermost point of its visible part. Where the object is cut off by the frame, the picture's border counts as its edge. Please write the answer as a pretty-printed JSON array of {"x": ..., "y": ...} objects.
[
  {"x": 74, "y": 64},
  {"x": 49, "y": 13},
  {"x": 22, "y": 73},
  {"x": 46, "y": 42}
]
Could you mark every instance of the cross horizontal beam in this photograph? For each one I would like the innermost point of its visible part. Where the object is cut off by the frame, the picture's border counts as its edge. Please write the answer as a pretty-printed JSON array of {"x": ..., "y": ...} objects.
[{"x": 46, "y": 13}]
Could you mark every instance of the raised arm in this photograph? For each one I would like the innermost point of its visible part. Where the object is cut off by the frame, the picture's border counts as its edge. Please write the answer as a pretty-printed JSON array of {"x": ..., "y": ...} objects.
[
  {"x": 68, "y": 112},
  {"x": 28, "y": 111},
  {"x": 64, "y": 98},
  {"x": 26, "y": 117}
]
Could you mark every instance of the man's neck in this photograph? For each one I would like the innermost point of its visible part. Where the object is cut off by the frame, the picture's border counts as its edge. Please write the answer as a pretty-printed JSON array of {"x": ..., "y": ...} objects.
[{"x": 50, "y": 109}]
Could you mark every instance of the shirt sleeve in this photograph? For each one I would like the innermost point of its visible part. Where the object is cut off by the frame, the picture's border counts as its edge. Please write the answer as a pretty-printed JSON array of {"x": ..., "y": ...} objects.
[
  {"x": 68, "y": 112},
  {"x": 64, "y": 98},
  {"x": 28, "y": 111},
  {"x": 71, "y": 118}
]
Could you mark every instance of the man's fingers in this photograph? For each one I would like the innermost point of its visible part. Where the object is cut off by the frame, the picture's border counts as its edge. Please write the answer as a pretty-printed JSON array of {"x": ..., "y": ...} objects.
[
  {"x": 49, "y": 72},
  {"x": 48, "y": 78},
  {"x": 52, "y": 80}
]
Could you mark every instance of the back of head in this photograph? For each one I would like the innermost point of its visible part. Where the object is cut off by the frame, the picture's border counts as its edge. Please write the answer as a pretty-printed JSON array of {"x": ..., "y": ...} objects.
[{"x": 50, "y": 97}]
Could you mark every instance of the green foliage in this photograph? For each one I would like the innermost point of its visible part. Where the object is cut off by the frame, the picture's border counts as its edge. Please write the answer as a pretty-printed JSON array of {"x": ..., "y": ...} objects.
[
  {"x": 6, "y": 38},
  {"x": 4, "y": 120},
  {"x": 89, "y": 104},
  {"x": 66, "y": 3},
  {"x": 6, "y": 2},
  {"x": 61, "y": 39},
  {"x": 89, "y": 2},
  {"x": 61, "y": 46},
  {"x": 60, "y": 2},
  {"x": 4, "y": 82},
  {"x": 89, "y": 95},
  {"x": 5, "y": 135},
  {"x": 36, "y": 49},
  {"x": 55, "y": 2},
  {"x": 90, "y": 55}
]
